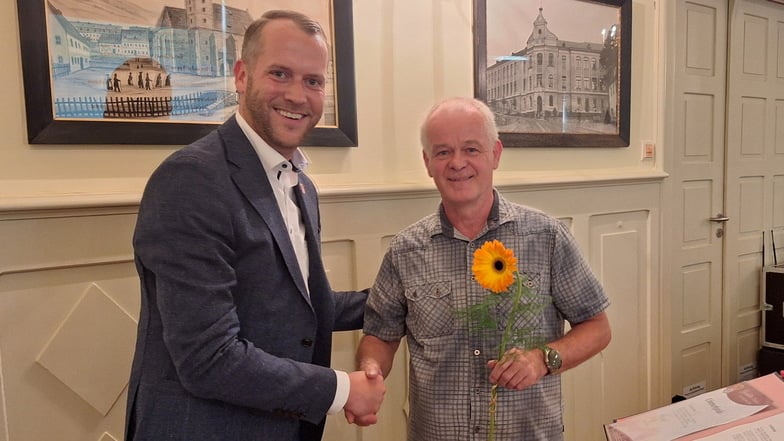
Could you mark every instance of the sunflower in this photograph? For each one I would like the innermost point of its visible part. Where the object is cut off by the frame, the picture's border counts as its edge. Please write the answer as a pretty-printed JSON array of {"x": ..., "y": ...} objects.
[{"x": 494, "y": 266}]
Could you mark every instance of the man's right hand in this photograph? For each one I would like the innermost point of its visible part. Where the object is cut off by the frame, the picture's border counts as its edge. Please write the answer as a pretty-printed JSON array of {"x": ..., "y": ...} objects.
[{"x": 365, "y": 397}]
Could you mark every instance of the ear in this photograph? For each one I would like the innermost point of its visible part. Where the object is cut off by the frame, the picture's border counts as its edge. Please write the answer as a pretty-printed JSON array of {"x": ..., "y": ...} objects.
[
  {"x": 426, "y": 160},
  {"x": 240, "y": 76},
  {"x": 498, "y": 147}
]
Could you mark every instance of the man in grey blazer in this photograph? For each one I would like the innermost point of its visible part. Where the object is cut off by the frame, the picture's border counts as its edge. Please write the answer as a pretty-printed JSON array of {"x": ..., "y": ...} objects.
[{"x": 237, "y": 314}]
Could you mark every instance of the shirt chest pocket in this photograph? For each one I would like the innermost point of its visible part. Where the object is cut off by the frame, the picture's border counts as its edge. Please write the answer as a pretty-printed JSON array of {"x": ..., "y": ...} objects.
[{"x": 430, "y": 310}]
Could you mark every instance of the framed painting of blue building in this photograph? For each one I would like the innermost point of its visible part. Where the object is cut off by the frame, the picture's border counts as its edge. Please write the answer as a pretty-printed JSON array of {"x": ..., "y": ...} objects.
[
  {"x": 159, "y": 71},
  {"x": 555, "y": 73}
]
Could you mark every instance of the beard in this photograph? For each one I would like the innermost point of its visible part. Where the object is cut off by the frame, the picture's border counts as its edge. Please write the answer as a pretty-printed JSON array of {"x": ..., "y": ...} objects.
[{"x": 259, "y": 113}]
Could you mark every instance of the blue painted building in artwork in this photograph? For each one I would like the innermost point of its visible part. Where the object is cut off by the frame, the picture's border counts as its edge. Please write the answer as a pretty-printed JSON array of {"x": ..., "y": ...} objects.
[
  {"x": 203, "y": 38},
  {"x": 69, "y": 49}
]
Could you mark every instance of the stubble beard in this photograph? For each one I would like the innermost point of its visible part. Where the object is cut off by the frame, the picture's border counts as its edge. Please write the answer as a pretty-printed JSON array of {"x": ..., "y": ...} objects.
[{"x": 260, "y": 112}]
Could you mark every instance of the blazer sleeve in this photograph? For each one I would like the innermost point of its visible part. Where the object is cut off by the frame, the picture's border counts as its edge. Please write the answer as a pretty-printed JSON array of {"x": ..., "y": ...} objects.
[
  {"x": 183, "y": 241},
  {"x": 350, "y": 309}
]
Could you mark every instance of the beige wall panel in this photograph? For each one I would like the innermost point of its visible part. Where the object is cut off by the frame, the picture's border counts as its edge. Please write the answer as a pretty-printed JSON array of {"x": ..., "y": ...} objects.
[
  {"x": 755, "y": 45},
  {"x": 701, "y": 322},
  {"x": 58, "y": 317},
  {"x": 749, "y": 317},
  {"x": 698, "y": 127},
  {"x": 3, "y": 401},
  {"x": 778, "y": 129},
  {"x": 697, "y": 368},
  {"x": 89, "y": 351},
  {"x": 751, "y": 204},
  {"x": 339, "y": 262},
  {"x": 748, "y": 350},
  {"x": 697, "y": 301},
  {"x": 752, "y": 136},
  {"x": 780, "y": 49},
  {"x": 749, "y": 283},
  {"x": 65, "y": 238},
  {"x": 568, "y": 221},
  {"x": 618, "y": 253},
  {"x": 778, "y": 201},
  {"x": 697, "y": 198},
  {"x": 700, "y": 51}
]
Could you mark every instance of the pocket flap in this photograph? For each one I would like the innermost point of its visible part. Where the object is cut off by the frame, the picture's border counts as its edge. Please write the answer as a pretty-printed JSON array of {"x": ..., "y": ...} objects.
[{"x": 432, "y": 290}]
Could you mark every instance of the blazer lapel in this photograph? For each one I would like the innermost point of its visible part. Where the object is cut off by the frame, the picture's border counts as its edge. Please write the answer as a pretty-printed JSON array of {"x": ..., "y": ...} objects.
[{"x": 251, "y": 180}]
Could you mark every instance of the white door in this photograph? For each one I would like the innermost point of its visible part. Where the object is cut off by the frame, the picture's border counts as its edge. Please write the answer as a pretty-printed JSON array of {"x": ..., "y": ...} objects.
[
  {"x": 694, "y": 130},
  {"x": 727, "y": 182},
  {"x": 754, "y": 193}
]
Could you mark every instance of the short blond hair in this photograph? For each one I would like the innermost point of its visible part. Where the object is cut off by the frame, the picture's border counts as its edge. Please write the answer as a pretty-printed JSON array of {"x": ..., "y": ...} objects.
[{"x": 490, "y": 127}]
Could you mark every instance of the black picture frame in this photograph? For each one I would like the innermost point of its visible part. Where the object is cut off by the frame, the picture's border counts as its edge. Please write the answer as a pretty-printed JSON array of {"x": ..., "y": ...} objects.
[
  {"x": 44, "y": 128},
  {"x": 507, "y": 94}
]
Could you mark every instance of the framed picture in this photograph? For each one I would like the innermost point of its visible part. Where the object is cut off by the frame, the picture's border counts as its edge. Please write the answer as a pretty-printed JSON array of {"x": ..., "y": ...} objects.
[
  {"x": 159, "y": 71},
  {"x": 555, "y": 73}
]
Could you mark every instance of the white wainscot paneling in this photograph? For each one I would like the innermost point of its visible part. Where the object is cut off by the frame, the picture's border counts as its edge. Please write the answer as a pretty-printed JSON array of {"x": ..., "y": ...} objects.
[
  {"x": 69, "y": 301},
  {"x": 619, "y": 251},
  {"x": 68, "y": 286}
]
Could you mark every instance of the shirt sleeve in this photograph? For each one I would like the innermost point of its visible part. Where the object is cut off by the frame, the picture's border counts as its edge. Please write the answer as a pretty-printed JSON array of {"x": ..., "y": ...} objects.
[{"x": 341, "y": 393}]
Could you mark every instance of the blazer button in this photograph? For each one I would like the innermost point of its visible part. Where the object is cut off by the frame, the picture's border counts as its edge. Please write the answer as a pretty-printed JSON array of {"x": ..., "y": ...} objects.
[{"x": 307, "y": 342}]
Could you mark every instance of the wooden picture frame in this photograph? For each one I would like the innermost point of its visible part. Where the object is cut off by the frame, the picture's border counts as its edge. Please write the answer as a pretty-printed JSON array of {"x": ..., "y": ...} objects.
[
  {"x": 44, "y": 127},
  {"x": 550, "y": 90}
]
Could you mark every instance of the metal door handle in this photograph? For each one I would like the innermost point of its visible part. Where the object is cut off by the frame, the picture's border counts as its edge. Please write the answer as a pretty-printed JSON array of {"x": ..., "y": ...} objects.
[{"x": 719, "y": 218}]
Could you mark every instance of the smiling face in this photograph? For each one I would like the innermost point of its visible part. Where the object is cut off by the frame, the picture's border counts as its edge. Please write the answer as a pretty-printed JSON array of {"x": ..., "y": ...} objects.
[
  {"x": 460, "y": 155},
  {"x": 282, "y": 90}
]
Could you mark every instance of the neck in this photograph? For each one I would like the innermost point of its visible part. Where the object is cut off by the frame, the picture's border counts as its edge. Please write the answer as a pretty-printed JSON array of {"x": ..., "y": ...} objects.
[{"x": 468, "y": 219}]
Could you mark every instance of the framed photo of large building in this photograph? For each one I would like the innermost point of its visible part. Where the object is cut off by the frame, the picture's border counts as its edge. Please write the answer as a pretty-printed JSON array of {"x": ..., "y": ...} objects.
[
  {"x": 555, "y": 73},
  {"x": 160, "y": 71}
]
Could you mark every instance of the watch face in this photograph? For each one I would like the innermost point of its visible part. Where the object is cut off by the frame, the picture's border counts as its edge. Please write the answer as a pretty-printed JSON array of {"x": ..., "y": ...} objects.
[{"x": 553, "y": 359}]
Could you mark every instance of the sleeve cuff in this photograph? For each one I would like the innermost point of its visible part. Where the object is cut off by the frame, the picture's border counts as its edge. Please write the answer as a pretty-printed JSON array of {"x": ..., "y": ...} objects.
[{"x": 341, "y": 392}]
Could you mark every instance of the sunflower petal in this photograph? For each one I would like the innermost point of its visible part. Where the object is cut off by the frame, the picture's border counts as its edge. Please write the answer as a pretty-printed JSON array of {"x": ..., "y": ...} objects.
[{"x": 494, "y": 266}]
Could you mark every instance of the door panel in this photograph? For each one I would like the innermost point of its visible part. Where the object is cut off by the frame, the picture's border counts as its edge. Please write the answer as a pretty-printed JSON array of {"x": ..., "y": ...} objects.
[
  {"x": 697, "y": 78},
  {"x": 754, "y": 167}
]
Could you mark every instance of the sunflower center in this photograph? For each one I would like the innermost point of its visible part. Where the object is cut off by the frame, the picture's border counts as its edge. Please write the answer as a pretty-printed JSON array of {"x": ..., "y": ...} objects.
[{"x": 498, "y": 265}]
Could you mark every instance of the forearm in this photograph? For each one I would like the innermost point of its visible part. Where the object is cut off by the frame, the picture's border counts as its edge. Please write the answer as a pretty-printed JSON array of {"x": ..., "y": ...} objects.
[
  {"x": 583, "y": 341},
  {"x": 373, "y": 351}
]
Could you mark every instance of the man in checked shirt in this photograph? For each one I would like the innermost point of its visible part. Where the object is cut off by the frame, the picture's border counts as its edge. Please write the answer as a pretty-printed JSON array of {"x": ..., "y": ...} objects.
[{"x": 426, "y": 276}]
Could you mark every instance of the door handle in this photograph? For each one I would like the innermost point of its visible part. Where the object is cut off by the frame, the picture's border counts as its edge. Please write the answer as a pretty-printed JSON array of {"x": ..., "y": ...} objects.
[{"x": 721, "y": 218}]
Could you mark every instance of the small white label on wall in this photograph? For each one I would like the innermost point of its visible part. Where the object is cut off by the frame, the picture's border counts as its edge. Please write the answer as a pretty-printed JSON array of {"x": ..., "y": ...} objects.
[
  {"x": 694, "y": 389},
  {"x": 747, "y": 372}
]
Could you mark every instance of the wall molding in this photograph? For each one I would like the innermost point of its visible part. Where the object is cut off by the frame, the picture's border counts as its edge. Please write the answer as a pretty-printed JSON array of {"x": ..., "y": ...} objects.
[{"x": 514, "y": 181}]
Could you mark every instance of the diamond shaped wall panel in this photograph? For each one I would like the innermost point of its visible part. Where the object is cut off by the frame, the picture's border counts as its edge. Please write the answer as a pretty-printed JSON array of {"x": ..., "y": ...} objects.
[{"x": 89, "y": 351}]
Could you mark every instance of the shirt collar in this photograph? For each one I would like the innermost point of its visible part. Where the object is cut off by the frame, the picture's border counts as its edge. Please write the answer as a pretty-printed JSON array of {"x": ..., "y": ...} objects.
[
  {"x": 271, "y": 160},
  {"x": 448, "y": 230}
]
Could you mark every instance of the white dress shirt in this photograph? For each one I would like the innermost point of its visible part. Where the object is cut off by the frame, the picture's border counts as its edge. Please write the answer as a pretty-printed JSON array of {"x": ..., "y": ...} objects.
[{"x": 284, "y": 181}]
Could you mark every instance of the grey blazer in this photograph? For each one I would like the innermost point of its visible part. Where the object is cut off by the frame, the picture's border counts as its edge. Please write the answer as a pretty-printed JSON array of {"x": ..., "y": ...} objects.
[{"x": 230, "y": 346}]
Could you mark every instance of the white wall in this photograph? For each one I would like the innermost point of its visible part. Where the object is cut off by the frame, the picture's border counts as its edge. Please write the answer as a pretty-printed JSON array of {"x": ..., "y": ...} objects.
[
  {"x": 409, "y": 54},
  {"x": 66, "y": 213}
]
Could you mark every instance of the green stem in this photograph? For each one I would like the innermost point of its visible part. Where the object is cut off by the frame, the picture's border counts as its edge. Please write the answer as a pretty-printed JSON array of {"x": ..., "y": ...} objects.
[
  {"x": 502, "y": 352},
  {"x": 510, "y": 319},
  {"x": 493, "y": 398}
]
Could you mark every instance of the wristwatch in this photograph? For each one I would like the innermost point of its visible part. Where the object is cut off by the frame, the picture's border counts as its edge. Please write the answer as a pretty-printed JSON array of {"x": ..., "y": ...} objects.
[{"x": 552, "y": 359}]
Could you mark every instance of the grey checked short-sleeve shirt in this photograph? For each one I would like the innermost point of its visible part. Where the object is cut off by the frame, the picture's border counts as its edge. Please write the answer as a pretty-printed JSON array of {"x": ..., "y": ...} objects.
[{"x": 426, "y": 276}]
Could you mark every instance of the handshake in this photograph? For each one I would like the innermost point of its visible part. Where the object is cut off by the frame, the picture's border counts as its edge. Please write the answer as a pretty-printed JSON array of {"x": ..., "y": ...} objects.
[{"x": 365, "y": 397}]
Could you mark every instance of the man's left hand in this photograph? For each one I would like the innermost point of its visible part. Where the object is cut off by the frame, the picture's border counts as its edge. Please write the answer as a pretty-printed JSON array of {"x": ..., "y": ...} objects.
[{"x": 517, "y": 369}]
